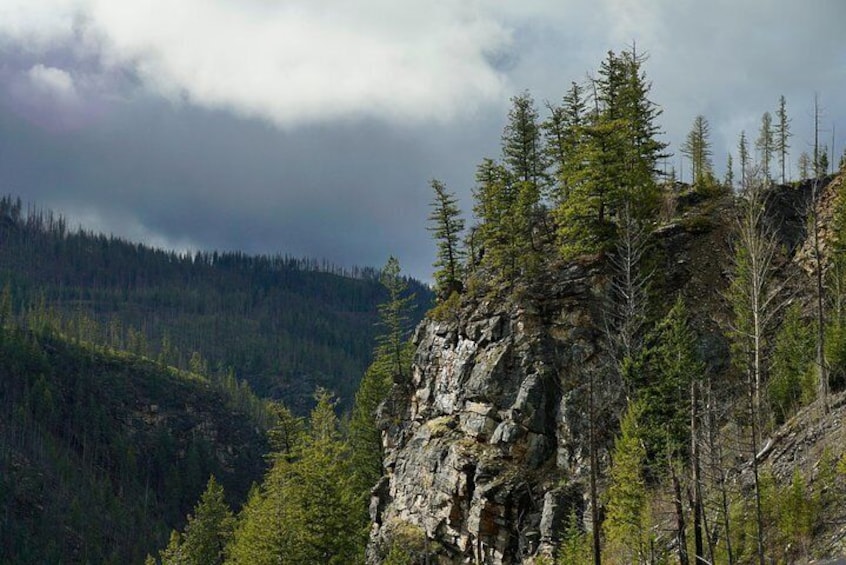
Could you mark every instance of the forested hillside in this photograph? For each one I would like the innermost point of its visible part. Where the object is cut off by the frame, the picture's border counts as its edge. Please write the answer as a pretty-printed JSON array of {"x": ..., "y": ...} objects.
[
  {"x": 284, "y": 325},
  {"x": 102, "y": 453}
]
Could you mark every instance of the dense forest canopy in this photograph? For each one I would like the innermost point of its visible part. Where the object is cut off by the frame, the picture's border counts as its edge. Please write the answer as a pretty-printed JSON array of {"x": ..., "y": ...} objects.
[{"x": 284, "y": 325}]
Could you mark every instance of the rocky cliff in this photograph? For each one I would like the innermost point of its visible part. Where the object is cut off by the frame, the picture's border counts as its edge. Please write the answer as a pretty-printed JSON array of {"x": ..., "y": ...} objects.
[{"x": 486, "y": 448}]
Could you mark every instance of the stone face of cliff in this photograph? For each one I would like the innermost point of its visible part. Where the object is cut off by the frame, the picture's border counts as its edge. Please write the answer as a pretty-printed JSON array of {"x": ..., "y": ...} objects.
[
  {"x": 486, "y": 448},
  {"x": 487, "y": 445}
]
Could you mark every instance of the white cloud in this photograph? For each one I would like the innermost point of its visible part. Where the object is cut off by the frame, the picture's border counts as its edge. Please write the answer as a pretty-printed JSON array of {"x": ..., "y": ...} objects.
[
  {"x": 53, "y": 82},
  {"x": 292, "y": 62}
]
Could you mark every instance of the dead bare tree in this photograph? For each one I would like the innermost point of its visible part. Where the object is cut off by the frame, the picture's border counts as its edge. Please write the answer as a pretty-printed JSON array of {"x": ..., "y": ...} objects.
[{"x": 754, "y": 296}]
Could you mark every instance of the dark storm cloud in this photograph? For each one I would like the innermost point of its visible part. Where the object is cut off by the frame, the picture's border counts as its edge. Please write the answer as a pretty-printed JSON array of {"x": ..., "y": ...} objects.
[
  {"x": 313, "y": 128},
  {"x": 192, "y": 179}
]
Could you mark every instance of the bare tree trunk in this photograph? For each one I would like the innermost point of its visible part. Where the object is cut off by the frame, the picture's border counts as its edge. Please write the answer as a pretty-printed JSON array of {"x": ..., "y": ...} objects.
[
  {"x": 594, "y": 471},
  {"x": 699, "y": 550},
  {"x": 681, "y": 527}
]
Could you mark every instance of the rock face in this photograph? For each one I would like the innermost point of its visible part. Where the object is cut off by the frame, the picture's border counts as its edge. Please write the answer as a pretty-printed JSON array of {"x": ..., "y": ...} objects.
[{"x": 486, "y": 448}]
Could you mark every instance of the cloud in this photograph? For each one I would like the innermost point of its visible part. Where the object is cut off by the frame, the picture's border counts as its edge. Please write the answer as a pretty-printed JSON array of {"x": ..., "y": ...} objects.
[
  {"x": 292, "y": 62},
  {"x": 53, "y": 82}
]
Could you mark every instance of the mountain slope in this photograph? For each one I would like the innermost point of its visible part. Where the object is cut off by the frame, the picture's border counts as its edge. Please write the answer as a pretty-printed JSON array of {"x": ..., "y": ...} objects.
[
  {"x": 101, "y": 454},
  {"x": 284, "y": 325}
]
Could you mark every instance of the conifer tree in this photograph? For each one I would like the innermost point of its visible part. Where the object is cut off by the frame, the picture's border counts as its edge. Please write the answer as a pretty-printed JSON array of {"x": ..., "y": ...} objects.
[
  {"x": 765, "y": 144},
  {"x": 564, "y": 131},
  {"x": 627, "y": 508},
  {"x": 789, "y": 384},
  {"x": 209, "y": 529},
  {"x": 782, "y": 135},
  {"x": 697, "y": 148},
  {"x": 743, "y": 152},
  {"x": 522, "y": 144},
  {"x": 446, "y": 225},
  {"x": 306, "y": 510},
  {"x": 618, "y": 154},
  {"x": 729, "y": 179},
  {"x": 394, "y": 317},
  {"x": 365, "y": 439}
]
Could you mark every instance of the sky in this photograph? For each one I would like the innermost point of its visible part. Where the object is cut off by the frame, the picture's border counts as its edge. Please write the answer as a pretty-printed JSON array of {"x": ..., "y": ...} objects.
[{"x": 313, "y": 127}]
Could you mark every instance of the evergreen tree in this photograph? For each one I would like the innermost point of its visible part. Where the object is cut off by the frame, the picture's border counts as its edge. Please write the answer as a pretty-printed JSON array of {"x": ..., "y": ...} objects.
[
  {"x": 365, "y": 438},
  {"x": 394, "y": 317},
  {"x": 729, "y": 179},
  {"x": 306, "y": 510},
  {"x": 697, "y": 148},
  {"x": 446, "y": 225},
  {"x": 782, "y": 135},
  {"x": 753, "y": 296},
  {"x": 618, "y": 156},
  {"x": 525, "y": 161},
  {"x": 564, "y": 131},
  {"x": 661, "y": 378},
  {"x": 821, "y": 166},
  {"x": 627, "y": 517},
  {"x": 791, "y": 382},
  {"x": 522, "y": 144},
  {"x": 765, "y": 144},
  {"x": 743, "y": 152},
  {"x": 209, "y": 529}
]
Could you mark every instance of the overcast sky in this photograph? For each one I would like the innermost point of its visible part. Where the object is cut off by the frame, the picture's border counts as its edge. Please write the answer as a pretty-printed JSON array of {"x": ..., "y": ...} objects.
[{"x": 312, "y": 127}]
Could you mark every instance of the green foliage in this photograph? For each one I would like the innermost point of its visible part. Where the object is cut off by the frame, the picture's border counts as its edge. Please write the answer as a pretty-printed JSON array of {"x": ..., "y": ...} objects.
[
  {"x": 782, "y": 135},
  {"x": 207, "y": 532},
  {"x": 792, "y": 378},
  {"x": 101, "y": 455},
  {"x": 406, "y": 544},
  {"x": 697, "y": 148},
  {"x": 446, "y": 225},
  {"x": 627, "y": 508},
  {"x": 618, "y": 153},
  {"x": 365, "y": 438},
  {"x": 447, "y": 310},
  {"x": 575, "y": 547},
  {"x": 564, "y": 132},
  {"x": 306, "y": 510},
  {"x": 285, "y": 325},
  {"x": 793, "y": 513},
  {"x": 765, "y": 144},
  {"x": 394, "y": 317},
  {"x": 661, "y": 379}
]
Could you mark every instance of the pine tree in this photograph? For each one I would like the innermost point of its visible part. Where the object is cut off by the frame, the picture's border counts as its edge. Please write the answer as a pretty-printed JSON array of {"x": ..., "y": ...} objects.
[
  {"x": 618, "y": 158},
  {"x": 209, "y": 529},
  {"x": 494, "y": 202},
  {"x": 627, "y": 508},
  {"x": 743, "y": 152},
  {"x": 446, "y": 225},
  {"x": 765, "y": 144},
  {"x": 564, "y": 131},
  {"x": 365, "y": 439},
  {"x": 782, "y": 135},
  {"x": 306, "y": 510},
  {"x": 522, "y": 144},
  {"x": 394, "y": 317},
  {"x": 729, "y": 179},
  {"x": 789, "y": 384},
  {"x": 697, "y": 148}
]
